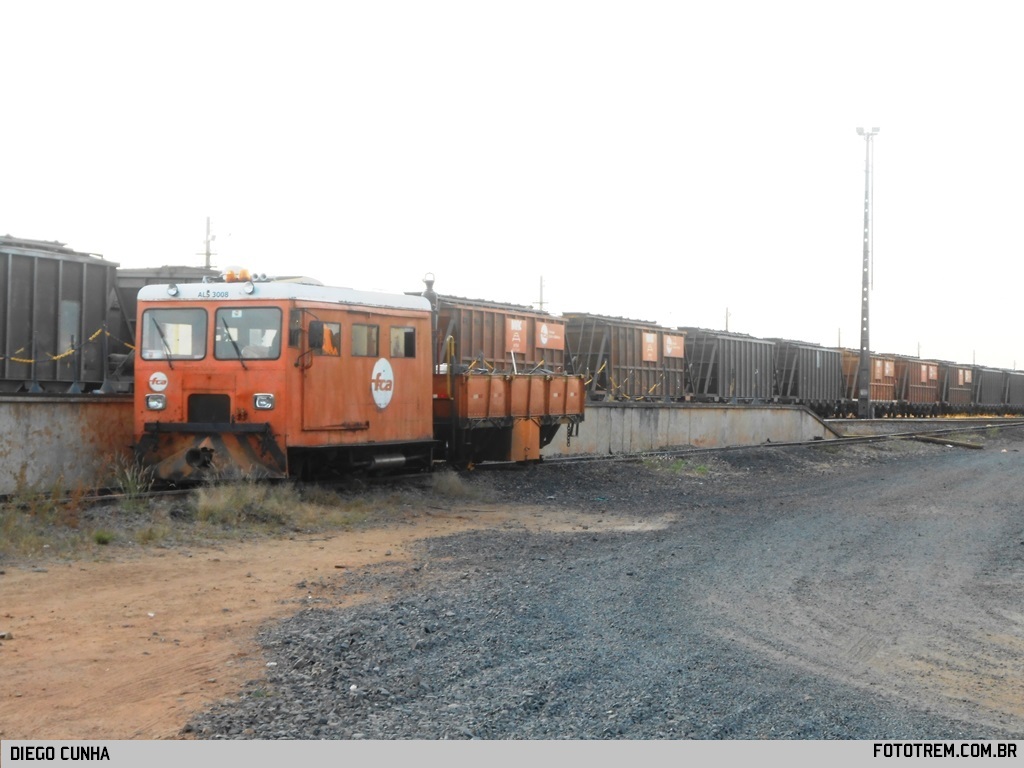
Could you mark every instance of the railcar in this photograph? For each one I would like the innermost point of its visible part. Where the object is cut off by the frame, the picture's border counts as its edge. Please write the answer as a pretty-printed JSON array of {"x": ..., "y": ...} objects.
[
  {"x": 277, "y": 379},
  {"x": 54, "y": 304},
  {"x": 811, "y": 375},
  {"x": 627, "y": 359},
  {"x": 882, "y": 384},
  {"x": 730, "y": 367},
  {"x": 497, "y": 336},
  {"x": 1015, "y": 392},
  {"x": 290, "y": 379},
  {"x": 990, "y": 391},
  {"x": 956, "y": 394},
  {"x": 917, "y": 387},
  {"x": 501, "y": 391}
]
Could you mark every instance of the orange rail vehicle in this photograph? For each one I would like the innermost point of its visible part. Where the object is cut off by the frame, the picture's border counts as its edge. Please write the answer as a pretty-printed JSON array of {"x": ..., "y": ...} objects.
[{"x": 283, "y": 379}]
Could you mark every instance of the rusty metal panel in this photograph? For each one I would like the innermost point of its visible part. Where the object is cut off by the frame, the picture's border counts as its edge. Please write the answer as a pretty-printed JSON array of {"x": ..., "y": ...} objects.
[
  {"x": 917, "y": 381},
  {"x": 882, "y": 374},
  {"x": 63, "y": 441},
  {"x": 625, "y": 359},
  {"x": 503, "y": 337},
  {"x": 557, "y": 401},
  {"x": 528, "y": 396},
  {"x": 479, "y": 397},
  {"x": 729, "y": 367}
]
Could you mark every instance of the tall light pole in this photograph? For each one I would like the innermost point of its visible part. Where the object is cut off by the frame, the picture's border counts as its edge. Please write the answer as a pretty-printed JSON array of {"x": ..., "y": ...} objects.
[{"x": 864, "y": 370}]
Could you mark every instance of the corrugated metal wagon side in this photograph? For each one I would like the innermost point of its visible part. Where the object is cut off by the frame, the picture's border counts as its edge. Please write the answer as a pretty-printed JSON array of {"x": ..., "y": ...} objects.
[
  {"x": 498, "y": 336},
  {"x": 956, "y": 388},
  {"x": 627, "y": 359},
  {"x": 882, "y": 385},
  {"x": 809, "y": 374},
  {"x": 730, "y": 367},
  {"x": 917, "y": 387},
  {"x": 990, "y": 390},
  {"x": 54, "y": 316},
  {"x": 1015, "y": 392}
]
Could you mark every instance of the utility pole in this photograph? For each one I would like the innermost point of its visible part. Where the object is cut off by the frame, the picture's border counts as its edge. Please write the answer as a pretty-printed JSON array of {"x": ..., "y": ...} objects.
[
  {"x": 209, "y": 241},
  {"x": 864, "y": 370}
]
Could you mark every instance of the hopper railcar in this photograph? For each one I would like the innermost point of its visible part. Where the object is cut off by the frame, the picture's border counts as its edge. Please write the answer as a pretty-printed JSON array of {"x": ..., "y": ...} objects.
[
  {"x": 54, "y": 303},
  {"x": 627, "y": 359},
  {"x": 811, "y": 375},
  {"x": 729, "y": 367}
]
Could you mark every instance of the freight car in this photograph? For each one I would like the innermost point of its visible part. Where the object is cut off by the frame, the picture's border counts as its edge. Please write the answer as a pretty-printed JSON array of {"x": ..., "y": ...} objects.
[
  {"x": 956, "y": 390},
  {"x": 917, "y": 387},
  {"x": 500, "y": 388},
  {"x": 730, "y": 367},
  {"x": 627, "y": 359},
  {"x": 811, "y": 375},
  {"x": 288, "y": 379},
  {"x": 496, "y": 336},
  {"x": 52, "y": 325}
]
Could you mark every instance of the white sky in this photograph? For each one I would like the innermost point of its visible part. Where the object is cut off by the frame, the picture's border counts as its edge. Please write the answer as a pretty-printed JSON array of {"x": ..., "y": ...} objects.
[{"x": 663, "y": 161}]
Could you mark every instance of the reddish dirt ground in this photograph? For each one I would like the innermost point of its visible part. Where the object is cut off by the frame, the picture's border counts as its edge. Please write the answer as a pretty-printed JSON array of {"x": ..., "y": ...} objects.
[{"x": 129, "y": 648}]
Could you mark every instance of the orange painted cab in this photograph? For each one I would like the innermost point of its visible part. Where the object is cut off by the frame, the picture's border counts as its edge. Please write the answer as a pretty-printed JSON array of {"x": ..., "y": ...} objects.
[{"x": 275, "y": 379}]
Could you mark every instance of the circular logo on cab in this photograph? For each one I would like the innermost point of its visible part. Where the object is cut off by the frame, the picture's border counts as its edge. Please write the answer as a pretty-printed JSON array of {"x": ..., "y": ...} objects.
[
  {"x": 544, "y": 334},
  {"x": 158, "y": 381},
  {"x": 382, "y": 383}
]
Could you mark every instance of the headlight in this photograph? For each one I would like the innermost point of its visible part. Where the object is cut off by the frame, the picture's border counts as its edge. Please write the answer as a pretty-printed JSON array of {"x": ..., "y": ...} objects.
[
  {"x": 263, "y": 402},
  {"x": 156, "y": 402}
]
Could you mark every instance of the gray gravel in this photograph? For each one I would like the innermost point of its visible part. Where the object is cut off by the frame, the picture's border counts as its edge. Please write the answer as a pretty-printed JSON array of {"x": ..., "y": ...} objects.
[{"x": 870, "y": 592}]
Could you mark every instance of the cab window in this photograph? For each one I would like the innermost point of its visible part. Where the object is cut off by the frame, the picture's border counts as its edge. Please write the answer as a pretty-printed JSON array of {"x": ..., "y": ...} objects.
[
  {"x": 175, "y": 334},
  {"x": 247, "y": 332},
  {"x": 332, "y": 341},
  {"x": 364, "y": 340},
  {"x": 403, "y": 342}
]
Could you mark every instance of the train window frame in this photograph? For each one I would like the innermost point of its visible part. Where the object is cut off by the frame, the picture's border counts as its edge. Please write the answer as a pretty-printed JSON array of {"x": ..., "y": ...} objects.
[
  {"x": 294, "y": 328},
  {"x": 334, "y": 350},
  {"x": 403, "y": 341},
  {"x": 258, "y": 346},
  {"x": 163, "y": 339},
  {"x": 365, "y": 340}
]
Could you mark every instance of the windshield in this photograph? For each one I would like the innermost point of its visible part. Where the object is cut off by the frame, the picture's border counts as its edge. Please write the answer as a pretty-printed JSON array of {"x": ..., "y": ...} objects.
[
  {"x": 176, "y": 334},
  {"x": 248, "y": 333}
]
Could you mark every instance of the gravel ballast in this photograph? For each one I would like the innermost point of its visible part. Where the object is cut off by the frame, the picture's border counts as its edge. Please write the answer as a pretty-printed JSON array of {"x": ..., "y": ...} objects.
[{"x": 826, "y": 592}]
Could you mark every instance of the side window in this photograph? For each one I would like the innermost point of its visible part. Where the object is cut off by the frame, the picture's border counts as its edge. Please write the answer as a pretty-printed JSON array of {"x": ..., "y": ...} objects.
[
  {"x": 294, "y": 327},
  {"x": 364, "y": 340},
  {"x": 332, "y": 340},
  {"x": 403, "y": 342}
]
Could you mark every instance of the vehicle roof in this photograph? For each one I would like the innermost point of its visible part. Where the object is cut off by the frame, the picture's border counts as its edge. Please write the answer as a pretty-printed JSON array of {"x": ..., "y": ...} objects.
[{"x": 283, "y": 290}]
